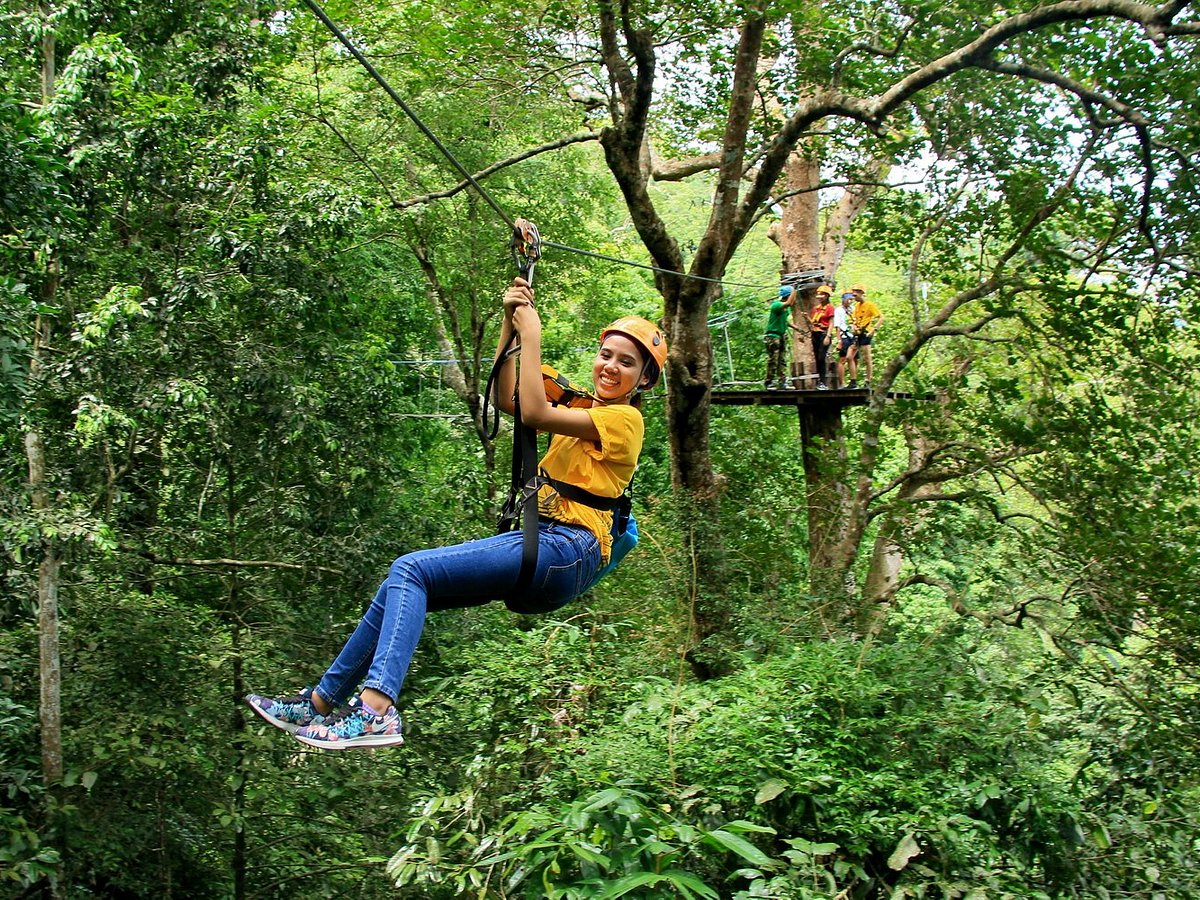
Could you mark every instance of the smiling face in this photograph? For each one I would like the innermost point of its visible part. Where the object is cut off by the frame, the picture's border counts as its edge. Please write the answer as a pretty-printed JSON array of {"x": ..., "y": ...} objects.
[{"x": 617, "y": 369}]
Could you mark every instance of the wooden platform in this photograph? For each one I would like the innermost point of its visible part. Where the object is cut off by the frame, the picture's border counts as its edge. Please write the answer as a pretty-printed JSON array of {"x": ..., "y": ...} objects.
[{"x": 740, "y": 396}]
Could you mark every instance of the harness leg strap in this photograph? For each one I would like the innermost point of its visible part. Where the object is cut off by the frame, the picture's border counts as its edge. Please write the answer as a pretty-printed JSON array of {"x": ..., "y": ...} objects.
[{"x": 526, "y": 440}]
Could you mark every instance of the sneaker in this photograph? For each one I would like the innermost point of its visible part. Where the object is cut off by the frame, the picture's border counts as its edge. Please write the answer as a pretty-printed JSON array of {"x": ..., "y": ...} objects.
[
  {"x": 288, "y": 713},
  {"x": 822, "y": 386},
  {"x": 853, "y": 385},
  {"x": 356, "y": 726}
]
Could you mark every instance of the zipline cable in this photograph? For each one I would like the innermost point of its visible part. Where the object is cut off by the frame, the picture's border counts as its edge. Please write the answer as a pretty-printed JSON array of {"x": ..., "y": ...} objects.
[
  {"x": 383, "y": 83},
  {"x": 653, "y": 268},
  {"x": 471, "y": 180}
]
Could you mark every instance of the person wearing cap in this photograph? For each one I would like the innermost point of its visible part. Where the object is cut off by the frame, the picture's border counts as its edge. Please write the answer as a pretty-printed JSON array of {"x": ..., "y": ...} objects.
[
  {"x": 594, "y": 449},
  {"x": 844, "y": 331},
  {"x": 820, "y": 318},
  {"x": 866, "y": 319},
  {"x": 775, "y": 337}
]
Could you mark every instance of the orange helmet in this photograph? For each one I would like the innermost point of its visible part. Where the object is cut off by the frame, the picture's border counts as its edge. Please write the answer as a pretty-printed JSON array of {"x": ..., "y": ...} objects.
[
  {"x": 825, "y": 289},
  {"x": 858, "y": 287},
  {"x": 646, "y": 335}
]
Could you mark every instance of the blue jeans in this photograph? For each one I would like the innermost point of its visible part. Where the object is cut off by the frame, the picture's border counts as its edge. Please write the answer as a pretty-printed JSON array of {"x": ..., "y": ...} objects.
[{"x": 471, "y": 574}]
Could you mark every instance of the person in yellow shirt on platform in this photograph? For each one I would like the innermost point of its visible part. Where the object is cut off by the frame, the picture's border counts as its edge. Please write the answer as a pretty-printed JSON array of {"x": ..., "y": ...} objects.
[{"x": 866, "y": 319}]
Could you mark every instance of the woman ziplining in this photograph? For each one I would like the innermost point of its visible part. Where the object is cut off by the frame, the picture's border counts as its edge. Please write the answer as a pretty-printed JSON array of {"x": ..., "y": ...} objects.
[{"x": 593, "y": 452}]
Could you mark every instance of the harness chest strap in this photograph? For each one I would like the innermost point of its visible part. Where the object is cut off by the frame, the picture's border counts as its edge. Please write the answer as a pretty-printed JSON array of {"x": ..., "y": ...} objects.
[{"x": 576, "y": 494}]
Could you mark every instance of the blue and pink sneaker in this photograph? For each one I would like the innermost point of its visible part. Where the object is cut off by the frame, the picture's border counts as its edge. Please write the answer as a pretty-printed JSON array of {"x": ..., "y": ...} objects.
[
  {"x": 288, "y": 713},
  {"x": 356, "y": 726}
]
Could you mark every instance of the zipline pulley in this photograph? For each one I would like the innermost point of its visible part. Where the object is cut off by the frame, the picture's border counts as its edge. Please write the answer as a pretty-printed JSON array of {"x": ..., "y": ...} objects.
[{"x": 526, "y": 246}]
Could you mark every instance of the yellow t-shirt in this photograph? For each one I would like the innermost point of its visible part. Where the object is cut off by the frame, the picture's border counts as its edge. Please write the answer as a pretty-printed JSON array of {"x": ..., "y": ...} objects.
[
  {"x": 603, "y": 469},
  {"x": 863, "y": 313}
]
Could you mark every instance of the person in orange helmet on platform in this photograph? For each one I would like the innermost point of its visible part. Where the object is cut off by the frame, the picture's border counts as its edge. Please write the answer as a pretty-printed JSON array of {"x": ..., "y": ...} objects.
[
  {"x": 820, "y": 320},
  {"x": 593, "y": 450}
]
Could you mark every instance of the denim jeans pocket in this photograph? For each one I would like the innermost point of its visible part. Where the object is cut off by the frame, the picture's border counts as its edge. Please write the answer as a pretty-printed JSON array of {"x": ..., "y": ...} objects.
[
  {"x": 575, "y": 558},
  {"x": 563, "y": 581}
]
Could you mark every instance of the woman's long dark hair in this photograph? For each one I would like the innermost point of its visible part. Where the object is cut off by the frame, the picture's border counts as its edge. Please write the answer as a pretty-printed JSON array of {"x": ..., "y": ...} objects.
[{"x": 650, "y": 372}]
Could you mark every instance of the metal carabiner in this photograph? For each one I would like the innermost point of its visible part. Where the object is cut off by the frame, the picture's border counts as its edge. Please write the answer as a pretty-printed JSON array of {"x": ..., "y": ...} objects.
[{"x": 526, "y": 248}]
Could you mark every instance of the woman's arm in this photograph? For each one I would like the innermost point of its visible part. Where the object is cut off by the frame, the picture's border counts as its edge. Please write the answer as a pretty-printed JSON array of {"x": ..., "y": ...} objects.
[
  {"x": 518, "y": 294},
  {"x": 536, "y": 410}
]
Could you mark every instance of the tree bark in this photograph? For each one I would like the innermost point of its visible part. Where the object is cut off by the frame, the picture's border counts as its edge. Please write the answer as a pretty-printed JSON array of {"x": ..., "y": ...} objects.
[
  {"x": 853, "y": 201},
  {"x": 799, "y": 244},
  {"x": 49, "y": 652},
  {"x": 828, "y": 499},
  {"x": 805, "y": 246},
  {"x": 689, "y": 370},
  {"x": 50, "y": 666}
]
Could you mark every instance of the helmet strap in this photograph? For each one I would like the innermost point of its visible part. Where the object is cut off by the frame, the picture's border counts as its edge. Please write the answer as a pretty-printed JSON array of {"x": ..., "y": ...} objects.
[{"x": 640, "y": 386}]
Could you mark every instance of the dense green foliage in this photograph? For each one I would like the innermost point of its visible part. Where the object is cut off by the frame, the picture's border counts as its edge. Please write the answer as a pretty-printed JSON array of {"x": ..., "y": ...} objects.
[{"x": 212, "y": 283}]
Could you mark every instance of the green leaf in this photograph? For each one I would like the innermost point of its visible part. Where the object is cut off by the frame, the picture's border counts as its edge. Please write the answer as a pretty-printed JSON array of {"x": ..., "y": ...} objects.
[
  {"x": 587, "y": 854},
  {"x": 686, "y": 881},
  {"x": 741, "y": 847},
  {"x": 905, "y": 850},
  {"x": 604, "y": 798},
  {"x": 769, "y": 790},
  {"x": 813, "y": 849},
  {"x": 624, "y": 885},
  {"x": 741, "y": 826}
]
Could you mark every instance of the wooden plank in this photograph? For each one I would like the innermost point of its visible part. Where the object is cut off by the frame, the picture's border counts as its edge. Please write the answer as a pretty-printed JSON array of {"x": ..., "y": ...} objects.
[{"x": 808, "y": 397}]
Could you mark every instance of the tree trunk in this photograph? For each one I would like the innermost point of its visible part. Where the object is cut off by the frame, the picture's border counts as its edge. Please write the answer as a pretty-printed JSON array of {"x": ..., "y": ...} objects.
[
  {"x": 689, "y": 376},
  {"x": 697, "y": 486},
  {"x": 688, "y": 373},
  {"x": 797, "y": 235},
  {"x": 821, "y": 440},
  {"x": 49, "y": 655},
  {"x": 828, "y": 499},
  {"x": 50, "y": 677},
  {"x": 804, "y": 246}
]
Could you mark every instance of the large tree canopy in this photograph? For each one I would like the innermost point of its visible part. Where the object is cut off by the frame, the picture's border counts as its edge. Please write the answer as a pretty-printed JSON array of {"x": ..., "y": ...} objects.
[{"x": 1047, "y": 152}]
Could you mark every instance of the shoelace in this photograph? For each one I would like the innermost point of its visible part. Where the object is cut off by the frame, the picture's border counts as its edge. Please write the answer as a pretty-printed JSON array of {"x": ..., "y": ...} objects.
[{"x": 355, "y": 706}]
